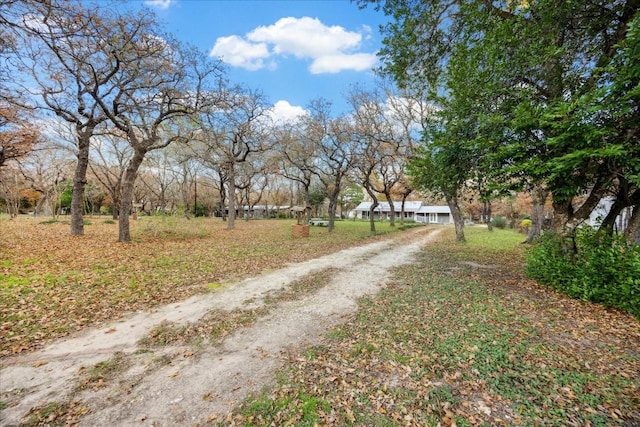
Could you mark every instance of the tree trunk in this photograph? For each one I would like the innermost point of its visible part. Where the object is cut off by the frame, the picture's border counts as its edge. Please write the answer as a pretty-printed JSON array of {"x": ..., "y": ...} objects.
[
  {"x": 79, "y": 183},
  {"x": 333, "y": 204},
  {"x": 307, "y": 202},
  {"x": 231, "y": 220},
  {"x": 115, "y": 205},
  {"x": 372, "y": 209},
  {"x": 632, "y": 232},
  {"x": 458, "y": 221},
  {"x": 538, "y": 200},
  {"x": 126, "y": 201},
  {"x": 562, "y": 217},
  {"x": 486, "y": 207},
  {"x": 392, "y": 210},
  {"x": 405, "y": 194}
]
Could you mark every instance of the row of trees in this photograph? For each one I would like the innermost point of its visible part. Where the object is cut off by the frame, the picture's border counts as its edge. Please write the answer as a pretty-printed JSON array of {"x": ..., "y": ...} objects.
[
  {"x": 541, "y": 96},
  {"x": 107, "y": 84}
]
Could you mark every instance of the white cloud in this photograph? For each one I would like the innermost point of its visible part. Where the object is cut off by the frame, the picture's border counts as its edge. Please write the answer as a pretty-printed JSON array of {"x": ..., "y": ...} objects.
[
  {"x": 238, "y": 52},
  {"x": 283, "y": 112},
  {"x": 330, "y": 48},
  {"x": 160, "y": 4},
  {"x": 305, "y": 37},
  {"x": 340, "y": 62}
]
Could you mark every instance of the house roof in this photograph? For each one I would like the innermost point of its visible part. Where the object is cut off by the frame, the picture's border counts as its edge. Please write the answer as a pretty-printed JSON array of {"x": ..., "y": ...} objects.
[
  {"x": 434, "y": 209},
  {"x": 412, "y": 206}
]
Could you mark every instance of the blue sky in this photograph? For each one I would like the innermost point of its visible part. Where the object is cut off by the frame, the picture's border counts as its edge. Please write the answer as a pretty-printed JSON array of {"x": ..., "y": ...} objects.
[{"x": 294, "y": 51}]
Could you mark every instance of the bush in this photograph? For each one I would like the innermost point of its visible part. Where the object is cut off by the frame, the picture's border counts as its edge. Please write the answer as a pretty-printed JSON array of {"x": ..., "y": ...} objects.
[
  {"x": 499, "y": 222},
  {"x": 525, "y": 225},
  {"x": 592, "y": 267}
]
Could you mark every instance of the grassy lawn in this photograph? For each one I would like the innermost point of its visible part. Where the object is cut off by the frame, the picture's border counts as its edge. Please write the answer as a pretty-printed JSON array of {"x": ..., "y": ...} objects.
[
  {"x": 462, "y": 338},
  {"x": 53, "y": 284}
]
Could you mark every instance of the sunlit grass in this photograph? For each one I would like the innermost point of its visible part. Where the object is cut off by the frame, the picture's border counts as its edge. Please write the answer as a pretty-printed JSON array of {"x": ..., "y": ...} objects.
[
  {"x": 463, "y": 337},
  {"x": 52, "y": 283}
]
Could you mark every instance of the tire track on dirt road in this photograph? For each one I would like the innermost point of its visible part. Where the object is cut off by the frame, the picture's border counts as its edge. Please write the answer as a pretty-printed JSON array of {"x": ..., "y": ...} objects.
[{"x": 176, "y": 386}]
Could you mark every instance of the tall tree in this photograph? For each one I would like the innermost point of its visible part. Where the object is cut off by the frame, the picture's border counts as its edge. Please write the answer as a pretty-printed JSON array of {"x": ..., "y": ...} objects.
[
  {"x": 529, "y": 70},
  {"x": 62, "y": 51},
  {"x": 298, "y": 155},
  {"x": 232, "y": 131},
  {"x": 161, "y": 86},
  {"x": 373, "y": 146},
  {"x": 333, "y": 138},
  {"x": 108, "y": 164}
]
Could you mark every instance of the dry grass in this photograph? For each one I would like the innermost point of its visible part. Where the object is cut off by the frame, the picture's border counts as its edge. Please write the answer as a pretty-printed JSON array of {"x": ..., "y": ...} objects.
[{"x": 53, "y": 284}]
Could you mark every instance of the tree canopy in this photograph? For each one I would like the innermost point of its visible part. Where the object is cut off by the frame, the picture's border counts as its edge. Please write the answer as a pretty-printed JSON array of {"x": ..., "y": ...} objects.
[{"x": 540, "y": 94}]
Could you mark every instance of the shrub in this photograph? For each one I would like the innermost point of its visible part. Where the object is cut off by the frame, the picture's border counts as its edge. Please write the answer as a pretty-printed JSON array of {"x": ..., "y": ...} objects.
[
  {"x": 499, "y": 222},
  {"x": 593, "y": 267},
  {"x": 524, "y": 226},
  {"x": 526, "y": 223}
]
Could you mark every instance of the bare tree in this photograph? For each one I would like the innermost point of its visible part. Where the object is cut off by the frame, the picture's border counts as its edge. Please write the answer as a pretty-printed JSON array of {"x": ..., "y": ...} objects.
[
  {"x": 335, "y": 147},
  {"x": 161, "y": 85},
  {"x": 67, "y": 53},
  {"x": 46, "y": 170},
  {"x": 297, "y": 159},
  {"x": 231, "y": 133},
  {"x": 108, "y": 164},
  {"x": 388, "y": 125},
  {"x": 162, "y": 171},
  {"x": 372, "y": 136}
]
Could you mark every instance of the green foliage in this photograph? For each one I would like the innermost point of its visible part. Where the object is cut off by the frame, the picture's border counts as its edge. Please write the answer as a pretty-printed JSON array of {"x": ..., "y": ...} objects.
[
  {"x": 590, "y": 266},
  {"x": 526, "y": 94},
  {"x": 499, "y": 222},
  {"x": 49, "y": 221},
  {"x": 200, "y": 210},
  {"x": 317, "y": 194},
  {"x": 67, "y": 195}
]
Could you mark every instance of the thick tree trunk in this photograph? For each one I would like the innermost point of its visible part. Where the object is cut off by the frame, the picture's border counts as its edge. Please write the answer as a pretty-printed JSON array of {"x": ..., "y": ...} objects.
[
  {"x": 115, "y": 206},
  {"x": 632, "y": 232},
  {"x": 562, "y": 215},
  {"x": 486, "y": 208},
  {"x": 333, "y": 205},
  {"x": 566, "y": 218},
  {"x": 79, "y": 183},
  {"x": 231, "y": 220},
  {"x": 458, "y": 220},
  {"x": 126, "y": 202},
  {"x": 307, "y": 203},
  {"x": 392, "y": 210},
  {"x": 622, "y": 201},
  {"x": 372, "y": 209},
  {"x": 538, "y": 200}
]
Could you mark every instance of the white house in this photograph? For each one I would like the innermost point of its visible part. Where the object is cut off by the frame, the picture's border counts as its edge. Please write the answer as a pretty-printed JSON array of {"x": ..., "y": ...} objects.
[
  {"x": 413, "y": 211},
  {"x": 601, "y": 211}
]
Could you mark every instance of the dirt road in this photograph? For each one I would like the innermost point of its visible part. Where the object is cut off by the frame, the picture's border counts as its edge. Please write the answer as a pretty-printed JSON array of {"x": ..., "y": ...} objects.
[{"x": 189, "y": 385}]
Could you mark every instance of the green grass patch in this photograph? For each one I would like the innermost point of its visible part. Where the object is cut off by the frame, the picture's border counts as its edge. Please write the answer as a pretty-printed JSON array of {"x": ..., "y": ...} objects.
[{"x": 10, "y": 281}]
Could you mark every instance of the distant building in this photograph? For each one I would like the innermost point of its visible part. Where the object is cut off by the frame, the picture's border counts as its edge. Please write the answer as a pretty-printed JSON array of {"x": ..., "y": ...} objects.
[
  {"x": 413, "y": 211},
  {"x": 601, "y": 211}
]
